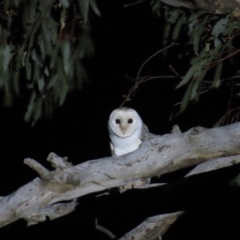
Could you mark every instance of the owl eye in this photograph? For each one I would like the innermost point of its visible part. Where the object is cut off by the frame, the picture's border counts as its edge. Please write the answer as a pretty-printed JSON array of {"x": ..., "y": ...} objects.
[
  {"x": 130, "y": 120},
  {"x": 117, "y": 121}
]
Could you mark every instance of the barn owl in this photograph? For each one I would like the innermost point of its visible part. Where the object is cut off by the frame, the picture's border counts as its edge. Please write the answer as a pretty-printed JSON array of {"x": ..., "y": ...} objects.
[{"x": 126, "y": 131}]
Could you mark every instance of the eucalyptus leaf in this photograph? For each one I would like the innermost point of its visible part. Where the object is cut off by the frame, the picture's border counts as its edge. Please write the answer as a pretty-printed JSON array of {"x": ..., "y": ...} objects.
[
  {"x": 28, "y": 70},
  {"x": 84, "y": 6},
  {"x": 41, "y": 85},
  {"x": 166, "y": 33},
  {"x": 186, "y": 97},
  {"x": 66, "y": 56},
  {"x": 174, "y": 15},
  {"x": 30, "y": 107},
  {"x": 41, "y": 45},
  {"x": 64, "y": 90},
  {"x": 6, "y": 53},
  {"x": 178, "y": 27},
  {"x": 80, "y": 74},
  {"x": 197, "y": 32},
  {"x": 54, "y": 56},
  {"x": 94, "y": 7},
  {"x": 37, "y": 112},
  {"x": 15, "y": 81},
  {"x": 188, "y": 76},
  {"x": 219, "y": 27},
  {"x": 197, "y": 83},
  {"x": 36, "y": 72},
  {"x": 65, "y": 3},
  {"x": 230, "y": 27},
  {"x": 156, "y": 7},
  {"x": 216, "y": 80},
  {"x": 2, "y": 79},
  {"x": 217, "y": 124},
  {"x": 8, "y": 99},
  {"x": 52, "y": 82}
]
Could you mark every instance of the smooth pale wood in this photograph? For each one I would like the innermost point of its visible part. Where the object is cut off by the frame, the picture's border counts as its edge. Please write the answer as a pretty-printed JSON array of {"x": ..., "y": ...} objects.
[
  {"x": 157, "y": 155},
  {"x": 152, "y": 228}
]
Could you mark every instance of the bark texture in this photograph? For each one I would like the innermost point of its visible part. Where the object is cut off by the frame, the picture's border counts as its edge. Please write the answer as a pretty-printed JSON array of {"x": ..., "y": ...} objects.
[{"x": 157, "y": 155}]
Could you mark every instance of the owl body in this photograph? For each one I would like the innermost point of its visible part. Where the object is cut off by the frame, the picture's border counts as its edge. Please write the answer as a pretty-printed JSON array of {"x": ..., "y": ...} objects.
[{"x": 126, "y": 131}]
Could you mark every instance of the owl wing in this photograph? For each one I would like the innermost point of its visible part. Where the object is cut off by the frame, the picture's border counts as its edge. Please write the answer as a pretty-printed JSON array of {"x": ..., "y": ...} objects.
[
  {"x": 144, "y": 133},
  {"x": 112, "y": 149}
]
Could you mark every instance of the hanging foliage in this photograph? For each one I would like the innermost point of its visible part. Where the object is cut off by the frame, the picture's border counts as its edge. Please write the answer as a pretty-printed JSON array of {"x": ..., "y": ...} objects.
[
  {"x": 210, "y": 36},
  {"x": 42, "y": 44}
]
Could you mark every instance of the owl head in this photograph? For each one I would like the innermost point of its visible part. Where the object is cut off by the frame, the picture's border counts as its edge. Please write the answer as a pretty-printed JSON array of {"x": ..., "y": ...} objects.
[{"x": 124, "y": 121}]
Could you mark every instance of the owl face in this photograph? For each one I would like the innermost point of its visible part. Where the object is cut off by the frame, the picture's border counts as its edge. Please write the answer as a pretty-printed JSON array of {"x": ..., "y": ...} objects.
[{"x": 124, "y": 121}]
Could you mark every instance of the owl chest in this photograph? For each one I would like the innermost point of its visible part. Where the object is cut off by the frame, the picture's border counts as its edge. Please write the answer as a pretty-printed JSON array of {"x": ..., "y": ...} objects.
[{"x": 125, "y": 145}]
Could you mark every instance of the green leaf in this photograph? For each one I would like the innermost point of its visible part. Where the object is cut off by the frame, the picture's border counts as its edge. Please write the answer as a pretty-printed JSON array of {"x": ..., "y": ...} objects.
[
  {"x": 41, "y": 84},
  {"x": 28, "y": 70},
  {"x": 8, "y": 99},
  {"x": 231, "y": 26},
  {"x": 156, "y": 7},
  {"x": 16, "y": 83},
  {"x": 54, "y": 56},
  {"x": 66, "y": 56},
  {"x": 52, "y": 82},
  {"x": 36, "y": 73},
  {"x": 219, "y": 26},
  {"x": 195, "y": 89},
  {"x": 196, "y": 35},
  {"x": 94, "y": 7},
  {"x": 37, "y": 110},
  {"x": 64, "y": 90},
  {"x": 178, "y": 27},
  {"x": 80, "y": 74},
  {"x": 188, "y": 76},
  {"x": 84, "y": 6},
  {"x": 6, "y": 53},
  {"x": 46, "y": 71},
  {"x": 166, "y": 33},
  {"x": 30, "y": 106},
  {"x": 2, "y": 79},
  {"x": 216, "y": 79},
  {"x": 65, "y": 3},
  {"x": 186, "y": 97},
  {"x": 174, "y": 15},
  {"x": 86, "y": 46},
  {"x": 235, "y": 181},
  {"x": 217, "y": 124}
]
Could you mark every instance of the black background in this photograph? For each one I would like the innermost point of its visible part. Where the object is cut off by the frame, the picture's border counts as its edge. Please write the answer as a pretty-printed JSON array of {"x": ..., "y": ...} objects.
[{"x": 124, "y": 38}]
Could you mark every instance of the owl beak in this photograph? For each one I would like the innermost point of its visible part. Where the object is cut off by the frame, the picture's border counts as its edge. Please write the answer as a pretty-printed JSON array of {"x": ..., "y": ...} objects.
[{"x": 123, "y": 128}]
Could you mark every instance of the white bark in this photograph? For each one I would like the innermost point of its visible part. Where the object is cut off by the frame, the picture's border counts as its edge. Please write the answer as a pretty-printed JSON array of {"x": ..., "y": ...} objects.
[
  {"x": 153, "y": 227},
  {"x": 215, "y": 164},
  {"x": 157, "y": 155}
]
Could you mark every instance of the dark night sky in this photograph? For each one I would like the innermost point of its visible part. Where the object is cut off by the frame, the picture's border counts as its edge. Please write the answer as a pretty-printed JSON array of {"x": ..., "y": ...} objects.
[{"x": 124, "y": 38}]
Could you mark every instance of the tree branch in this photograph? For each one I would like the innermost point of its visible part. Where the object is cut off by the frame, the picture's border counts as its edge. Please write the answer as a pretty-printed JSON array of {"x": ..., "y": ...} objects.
[
  {"x": 153, "y": 227},
  {"x": 157, "y": 155}
]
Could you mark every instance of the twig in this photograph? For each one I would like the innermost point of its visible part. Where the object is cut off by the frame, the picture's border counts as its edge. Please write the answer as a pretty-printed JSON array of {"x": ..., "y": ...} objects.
[
  {"x": 174, "y": 71},
  {"x": 154, "y": 56},
  {"x": 136, "y": 85},
  {"x": 145, "y": 79},
  {"x": 104, "y": 230},
  {"x": 213, "y": 64},
  {"x": 132, "y": 4}
]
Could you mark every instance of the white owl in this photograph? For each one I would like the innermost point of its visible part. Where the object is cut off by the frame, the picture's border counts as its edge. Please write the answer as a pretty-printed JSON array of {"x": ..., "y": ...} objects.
[{"x": 126, "y": 130}]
